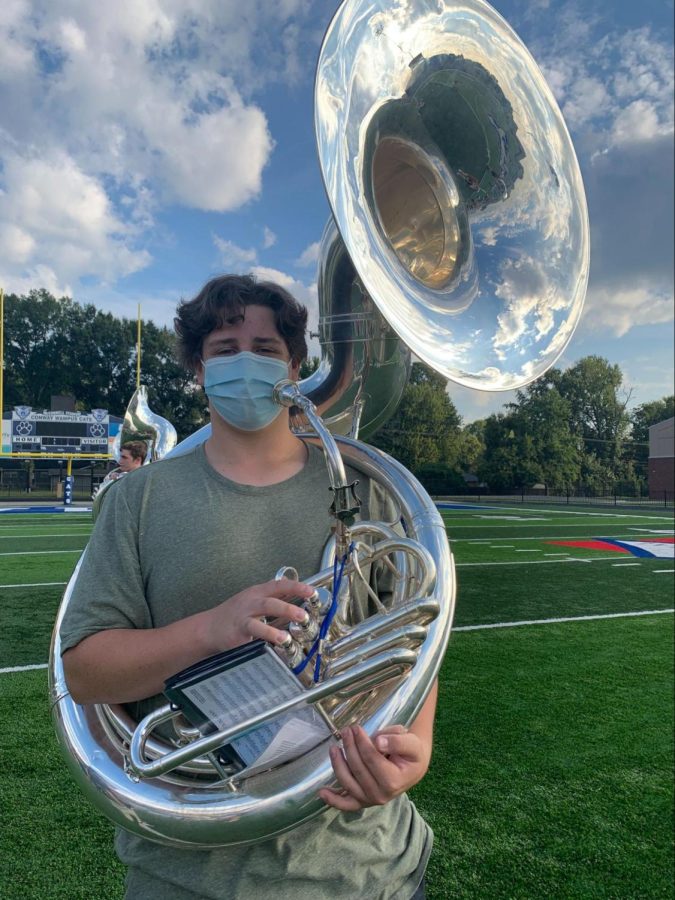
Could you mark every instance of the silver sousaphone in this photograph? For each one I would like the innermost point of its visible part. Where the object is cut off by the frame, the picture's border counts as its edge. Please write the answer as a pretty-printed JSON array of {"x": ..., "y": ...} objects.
[
  {"x": 460, "y": 233},
  {"x": 140, "y": 424}
]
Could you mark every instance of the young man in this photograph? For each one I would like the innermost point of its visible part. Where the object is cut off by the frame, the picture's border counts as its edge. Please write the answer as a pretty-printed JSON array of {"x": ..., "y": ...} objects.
[
  {"x": 251, "y": 499},
  {"x": 132, "y": 456}
]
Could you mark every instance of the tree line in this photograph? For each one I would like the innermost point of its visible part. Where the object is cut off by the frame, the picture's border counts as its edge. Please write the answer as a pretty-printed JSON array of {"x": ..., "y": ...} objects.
[{"x": 568, "y": 430}]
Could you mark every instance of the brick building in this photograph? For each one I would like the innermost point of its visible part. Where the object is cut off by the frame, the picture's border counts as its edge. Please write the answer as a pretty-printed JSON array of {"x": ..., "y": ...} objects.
[{"x": 662, "y": 460}]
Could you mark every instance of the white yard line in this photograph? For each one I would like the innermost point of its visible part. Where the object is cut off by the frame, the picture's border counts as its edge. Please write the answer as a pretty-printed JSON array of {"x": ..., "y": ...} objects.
[
  {"x": 22, "y": 668},
  {"x": 556, "y": 537},
  {"x": 25, "y": 537},
  {"x": 24, "y": 524},
  {"x": 570, "y": 512},
  {"x": 623, "y": 615},
  {"x": 38, "y": 552},
  {"x": 664, "y": 571},
  {"x": 537, "y": 562},
  {"x": 623, "y": 565},
  {"x": 35, "y": 584},
  {"x": 450, "y": 525}
]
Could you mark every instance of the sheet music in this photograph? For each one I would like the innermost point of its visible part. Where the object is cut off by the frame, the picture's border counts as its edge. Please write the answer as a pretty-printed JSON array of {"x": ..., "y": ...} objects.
[{"x": 249, "y": 688}]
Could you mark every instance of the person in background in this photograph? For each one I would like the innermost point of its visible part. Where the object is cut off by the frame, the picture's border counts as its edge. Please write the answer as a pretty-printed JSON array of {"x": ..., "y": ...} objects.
[{"x": 132, "y": 456}]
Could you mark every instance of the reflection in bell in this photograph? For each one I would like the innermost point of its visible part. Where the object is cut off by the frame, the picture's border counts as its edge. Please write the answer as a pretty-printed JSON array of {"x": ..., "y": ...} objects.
[{"x": 438, "y": 137}]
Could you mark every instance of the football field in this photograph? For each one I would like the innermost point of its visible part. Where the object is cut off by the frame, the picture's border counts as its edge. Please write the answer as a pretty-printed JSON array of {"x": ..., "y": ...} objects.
[{"x": 552, "y": 768}]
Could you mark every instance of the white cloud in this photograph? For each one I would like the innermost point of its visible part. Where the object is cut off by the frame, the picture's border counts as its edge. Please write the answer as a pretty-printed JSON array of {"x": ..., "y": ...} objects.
[
  {"x": 269, "y": 238},
  {"x": 56, "y": 219},
  {"x": 617, "y": 311},
  {"x": 234, "y": 258},
  {"x": 616, "y": 89},
  {"x": 309, "y": 256},
  {"x": 149, "y": 103},
  {"x": 638, "y": 122},
  {"x": 599, "y": 74}
]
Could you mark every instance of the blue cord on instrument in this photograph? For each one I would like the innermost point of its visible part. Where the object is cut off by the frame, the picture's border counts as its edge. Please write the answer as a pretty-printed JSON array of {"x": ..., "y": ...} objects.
[{"x": 328, "y": 618}]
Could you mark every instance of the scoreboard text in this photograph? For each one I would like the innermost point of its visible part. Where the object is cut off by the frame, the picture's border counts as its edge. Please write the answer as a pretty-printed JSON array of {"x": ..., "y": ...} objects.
[{"x": 59, "y": 432}]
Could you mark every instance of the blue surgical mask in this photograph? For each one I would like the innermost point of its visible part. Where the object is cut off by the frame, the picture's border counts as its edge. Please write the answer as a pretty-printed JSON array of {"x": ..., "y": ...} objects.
[{"x": 240, "y": 388}]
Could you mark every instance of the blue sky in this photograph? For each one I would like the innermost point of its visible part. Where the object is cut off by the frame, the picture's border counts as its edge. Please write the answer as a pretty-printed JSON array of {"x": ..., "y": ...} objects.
[{"x": 147, "y": 146}]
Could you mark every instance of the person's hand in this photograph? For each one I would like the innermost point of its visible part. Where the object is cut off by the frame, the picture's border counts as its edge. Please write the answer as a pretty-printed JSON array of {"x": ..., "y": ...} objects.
[
  {"x": 243, "y": 616},
  {"x": 373, "y": 772}
]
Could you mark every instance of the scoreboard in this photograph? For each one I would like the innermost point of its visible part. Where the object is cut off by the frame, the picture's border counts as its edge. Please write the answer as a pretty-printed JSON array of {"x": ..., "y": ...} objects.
[{"x": 59, "y": 432}]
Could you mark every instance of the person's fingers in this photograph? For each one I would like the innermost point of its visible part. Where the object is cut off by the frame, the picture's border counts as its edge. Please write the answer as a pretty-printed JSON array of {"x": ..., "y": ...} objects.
[
  {"x": 285, "y": 589},
  {"x": 375, "y": 774},
  {"x": 274, "y": 607},
  {"x": 339, "y": 800},
  {"x": 401, "y": 746},
  {"x": 345, "y": 776},
  {"x": 260, "y": 630},
  {"x": 392, "y": 729}
]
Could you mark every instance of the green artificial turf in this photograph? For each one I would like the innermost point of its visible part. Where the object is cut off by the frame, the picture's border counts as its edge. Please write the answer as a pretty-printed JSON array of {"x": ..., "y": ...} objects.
[
  {"x": 552, "y": 768},
  {"x": 522, "y": 593},
  {"x": 551, "y": 774}
]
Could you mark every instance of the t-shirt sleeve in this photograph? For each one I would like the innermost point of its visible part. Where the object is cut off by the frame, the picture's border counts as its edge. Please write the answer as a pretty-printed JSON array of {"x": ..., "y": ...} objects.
[{"x": 108, "y": 592}]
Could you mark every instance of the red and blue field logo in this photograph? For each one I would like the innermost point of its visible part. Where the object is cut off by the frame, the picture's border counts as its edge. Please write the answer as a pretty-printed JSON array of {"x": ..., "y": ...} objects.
[{"x": 652, "y": 547}]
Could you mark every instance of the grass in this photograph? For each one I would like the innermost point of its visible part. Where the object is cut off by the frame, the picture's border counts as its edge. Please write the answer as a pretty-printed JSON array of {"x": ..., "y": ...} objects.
[{"x": 552, "y": 767}]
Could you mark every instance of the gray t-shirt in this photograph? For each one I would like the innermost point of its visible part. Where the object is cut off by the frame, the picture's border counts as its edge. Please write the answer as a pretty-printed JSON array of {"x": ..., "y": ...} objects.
[{"x": 174, "y": 539}]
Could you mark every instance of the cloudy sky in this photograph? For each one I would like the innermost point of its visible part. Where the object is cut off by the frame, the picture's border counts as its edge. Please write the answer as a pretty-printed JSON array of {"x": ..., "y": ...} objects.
[{"x": 145, "y": 146}]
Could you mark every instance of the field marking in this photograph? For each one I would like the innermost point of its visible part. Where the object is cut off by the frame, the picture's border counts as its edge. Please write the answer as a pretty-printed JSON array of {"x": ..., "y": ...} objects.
[
  {"x": 547, "y": 537},
  {"x": 623, "y": 565},
  {"x": 528, "y": 551},
  {"x": 61, "y": 523},
  {"x": 651, "y": 530},
  {"x": 36, "y": 584},
  {"x": 38, "y": 552},
  {"x": 10, "y": 669},
  {"x": 541, "y": 562},
  {"x": 492, "y": 517},
  {"x": 623, "y": 615},
  {"x": 19, "y": 537},
  {"x": 662, "y": 571},
  {"x": 564, "y": 512},
  {"x": 620, "y": 525},
  {"x": 577, "y": 512}
]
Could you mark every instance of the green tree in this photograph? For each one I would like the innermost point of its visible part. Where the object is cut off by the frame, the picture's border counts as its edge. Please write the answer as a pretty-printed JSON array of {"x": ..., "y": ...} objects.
[
  {"x": 532, "y": 443},
  {"x": 426, "y": 425},
  {"x": 597, "y": 401},
  {"x": 36, "y": 348},
  {"x": 646, "y": 415},
  {"x": 57, "y": 346},
  {"x": 308, "y": 366}
]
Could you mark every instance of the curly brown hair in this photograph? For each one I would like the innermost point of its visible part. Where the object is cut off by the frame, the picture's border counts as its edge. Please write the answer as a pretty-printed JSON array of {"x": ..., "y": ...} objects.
[{"x": 226, "y": 296}]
